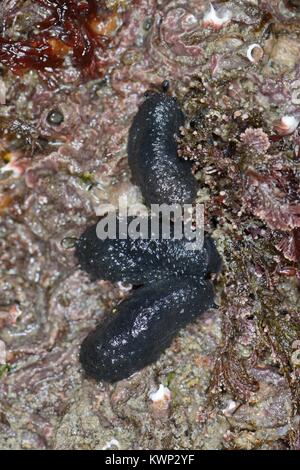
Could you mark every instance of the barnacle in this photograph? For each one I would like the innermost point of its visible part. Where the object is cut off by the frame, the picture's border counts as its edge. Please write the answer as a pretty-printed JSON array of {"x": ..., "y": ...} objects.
[
  {"x": 2, "y": 353},
  {"x": 255, "y": 53},
  {"x": 214, "y": 20},
  {"x": 161, "y": 400},
  {"x": 286, "y": 125}
]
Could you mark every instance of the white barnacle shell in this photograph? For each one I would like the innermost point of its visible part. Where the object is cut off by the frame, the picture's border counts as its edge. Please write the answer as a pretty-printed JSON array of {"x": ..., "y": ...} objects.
[
  {"x": 286, "y": 125},
  {"x": 2, "y": 352},
  {"x": 112, "y": 444},
  {"x": 230, "y": 408},
  {"x": 161, "y": 395},
  {"x": 3, "y": 91},
  {"x": 255, "y": 53},
  {"x": 161, "y": 400},
  {"x": 214, "y": 20}
]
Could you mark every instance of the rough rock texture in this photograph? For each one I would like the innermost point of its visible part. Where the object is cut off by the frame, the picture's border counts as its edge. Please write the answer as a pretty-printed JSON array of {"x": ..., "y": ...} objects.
[{"x": 234, "y": 375}]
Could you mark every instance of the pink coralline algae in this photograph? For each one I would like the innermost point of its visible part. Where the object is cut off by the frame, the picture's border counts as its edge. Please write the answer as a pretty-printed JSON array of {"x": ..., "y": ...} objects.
[
  {"x": 274, "y": 200},
  {"x": 256, "y": 139},
  {"x": 270, "y": 199}
]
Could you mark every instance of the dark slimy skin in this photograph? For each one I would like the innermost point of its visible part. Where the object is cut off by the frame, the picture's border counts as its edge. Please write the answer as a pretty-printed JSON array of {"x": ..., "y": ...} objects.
[
  {"x": 175, "y": 289},
  {"x": 144, "y": 327},
  {"x": 163, "y": 177},
  {"x": 143, "y": 261}
]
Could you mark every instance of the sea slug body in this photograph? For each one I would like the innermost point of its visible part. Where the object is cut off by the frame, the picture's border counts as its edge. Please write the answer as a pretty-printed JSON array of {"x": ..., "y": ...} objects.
[
  {"x": 163, "y": 177},
  {"x": 144, "y": 327},
  {"x": 143, "y": 261},
  {"x": 172, "y": 286}
]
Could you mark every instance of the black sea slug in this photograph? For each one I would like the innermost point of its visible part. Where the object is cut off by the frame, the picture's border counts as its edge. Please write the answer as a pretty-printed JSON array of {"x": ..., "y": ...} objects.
[
  {"x": 175, "y": 289},
  {"x": 163, "y": 177},
  {"x": 144, "y": 327},
  {"x": 144, "y": 260}
]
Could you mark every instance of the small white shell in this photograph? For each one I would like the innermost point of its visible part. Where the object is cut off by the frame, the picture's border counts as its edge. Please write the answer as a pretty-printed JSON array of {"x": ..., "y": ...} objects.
[
  {"x": 296, "y": 92},
  {"x": 3, "y": 91},
  {"x": 287, "y": 125},
  {"x": 114, "y": 443},
  {"x": 2, "y": 353},
  {"x": 212, "y": 20},
  {"x": 124, "y": 287},
  {"x": 230, "y": 408},
  {"x": 162, "y": 394},
  {"x": 255, "y": 58}
]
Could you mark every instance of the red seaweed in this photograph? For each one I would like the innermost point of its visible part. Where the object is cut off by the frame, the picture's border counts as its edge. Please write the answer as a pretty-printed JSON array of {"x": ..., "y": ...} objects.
[
  {"x": 72, "y": 27},
  {"x": 29, "y": 54}
]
